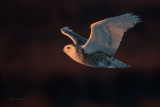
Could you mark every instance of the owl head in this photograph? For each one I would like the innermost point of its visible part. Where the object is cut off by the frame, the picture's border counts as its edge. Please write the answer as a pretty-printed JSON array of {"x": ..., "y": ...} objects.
[{"x": 70, "y": 50}]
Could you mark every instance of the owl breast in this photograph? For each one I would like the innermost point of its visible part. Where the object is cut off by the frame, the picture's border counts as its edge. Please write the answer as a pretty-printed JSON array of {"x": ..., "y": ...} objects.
[{"x": 96, "y": 59}]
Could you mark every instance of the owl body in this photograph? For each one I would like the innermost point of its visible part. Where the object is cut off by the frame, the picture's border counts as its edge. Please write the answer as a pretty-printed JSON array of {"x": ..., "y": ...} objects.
[
  {"x": 95, "y": 59},
  {"x": 104, "y": 40}
]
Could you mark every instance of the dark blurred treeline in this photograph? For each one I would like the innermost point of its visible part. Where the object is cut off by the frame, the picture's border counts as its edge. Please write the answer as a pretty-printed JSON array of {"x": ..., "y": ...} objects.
[{"x": 34, "y": 70}]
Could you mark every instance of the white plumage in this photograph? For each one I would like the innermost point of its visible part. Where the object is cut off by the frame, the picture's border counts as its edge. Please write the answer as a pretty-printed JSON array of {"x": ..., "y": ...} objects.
[{"x": 104, "y": 40}]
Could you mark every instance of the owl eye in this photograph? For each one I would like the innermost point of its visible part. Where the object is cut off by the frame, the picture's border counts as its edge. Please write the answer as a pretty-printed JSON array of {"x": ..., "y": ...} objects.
[{"x": 68, "y": 48}]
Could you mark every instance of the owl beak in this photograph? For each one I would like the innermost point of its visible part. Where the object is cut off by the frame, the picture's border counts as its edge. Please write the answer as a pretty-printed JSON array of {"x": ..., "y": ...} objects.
[{"x": 65, "y": 50}]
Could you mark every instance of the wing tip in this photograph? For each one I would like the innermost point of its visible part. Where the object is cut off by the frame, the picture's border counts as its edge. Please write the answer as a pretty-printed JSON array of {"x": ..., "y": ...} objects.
[
  {"x": 135, "y": 17},
  {"x": 66, "y": 28}
]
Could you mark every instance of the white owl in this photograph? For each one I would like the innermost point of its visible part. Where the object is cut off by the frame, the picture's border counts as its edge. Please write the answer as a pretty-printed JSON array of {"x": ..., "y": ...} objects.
[{"x": 104, "y": 40}]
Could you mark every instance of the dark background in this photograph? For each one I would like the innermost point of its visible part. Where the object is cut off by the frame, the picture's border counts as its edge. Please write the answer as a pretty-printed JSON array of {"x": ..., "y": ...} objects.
[{"x": 35, "y": 72}]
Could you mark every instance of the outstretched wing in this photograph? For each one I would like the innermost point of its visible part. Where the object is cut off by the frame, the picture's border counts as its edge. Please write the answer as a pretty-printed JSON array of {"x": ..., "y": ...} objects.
[
  {"x": 77, "y": 39},
  {"x": 106, "y": 34}
]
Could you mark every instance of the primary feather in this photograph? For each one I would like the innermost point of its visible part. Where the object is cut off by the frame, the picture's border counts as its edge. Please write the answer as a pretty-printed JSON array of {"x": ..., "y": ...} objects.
[{"x": 77, "y": 39}]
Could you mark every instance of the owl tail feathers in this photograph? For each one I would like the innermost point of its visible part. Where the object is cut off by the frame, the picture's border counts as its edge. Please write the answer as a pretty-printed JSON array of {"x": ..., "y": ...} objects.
[{"x": 118, "y": 64}]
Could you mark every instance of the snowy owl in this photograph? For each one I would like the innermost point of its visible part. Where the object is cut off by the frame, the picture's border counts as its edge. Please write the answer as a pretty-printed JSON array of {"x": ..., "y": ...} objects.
[{"x": 104, "y": 40}]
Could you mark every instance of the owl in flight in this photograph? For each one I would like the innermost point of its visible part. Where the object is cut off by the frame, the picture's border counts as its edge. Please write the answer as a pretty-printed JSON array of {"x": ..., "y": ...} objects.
[{"x": 104, "y": 40}]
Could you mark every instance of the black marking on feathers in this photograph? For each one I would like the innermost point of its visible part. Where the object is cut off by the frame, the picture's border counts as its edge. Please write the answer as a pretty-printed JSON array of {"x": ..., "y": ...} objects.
[{"x": 94, "y": 58}]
